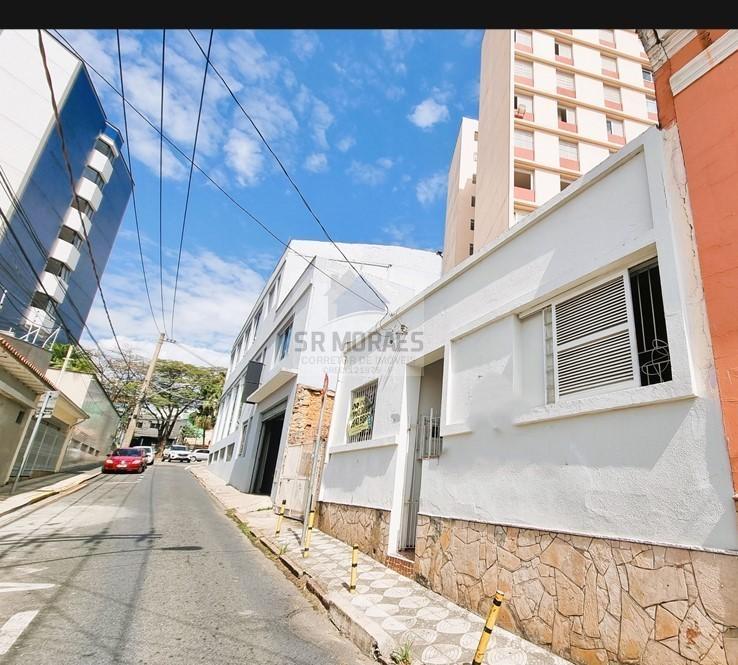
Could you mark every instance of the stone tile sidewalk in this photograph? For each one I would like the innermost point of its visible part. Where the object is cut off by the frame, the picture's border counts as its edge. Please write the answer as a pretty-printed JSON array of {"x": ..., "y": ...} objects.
[{"x": 438, "y": 631}]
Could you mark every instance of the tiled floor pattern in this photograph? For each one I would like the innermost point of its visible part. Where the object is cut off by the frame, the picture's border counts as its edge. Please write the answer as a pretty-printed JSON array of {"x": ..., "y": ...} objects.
[{"x": 440, "y": 633}]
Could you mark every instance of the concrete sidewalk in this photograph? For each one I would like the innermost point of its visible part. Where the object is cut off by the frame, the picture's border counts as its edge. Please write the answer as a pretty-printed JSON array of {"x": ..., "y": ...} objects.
[
  {"x": 388, "y": 610},
  {"x": 54, "y": 485}
]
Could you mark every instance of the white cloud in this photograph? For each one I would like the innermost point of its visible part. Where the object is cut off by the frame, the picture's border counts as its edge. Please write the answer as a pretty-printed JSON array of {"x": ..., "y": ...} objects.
[
  {"x": 305, "y": 43},
  {"x": 243, "y": 155},
  {"x": 346, "y": 143},
  {"x": 432, "y": 188},
  {"x": 370, "y": 174},
  {"x": 428, "y": 113},
  {"x": 397, "y": 44},
  {"x": 317, "y": 162},
  {"x": 322, "y": 119},
  {"x": 400, "y": 234},
  {"x": 214, "y": 295},
  {"x": 394, "y": 92}
]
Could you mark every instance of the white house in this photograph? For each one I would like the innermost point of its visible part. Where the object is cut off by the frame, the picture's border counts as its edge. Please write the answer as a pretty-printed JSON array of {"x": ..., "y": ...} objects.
[
  {"x": 551, "y": 427},
  {"x": 312, "y": 303}
]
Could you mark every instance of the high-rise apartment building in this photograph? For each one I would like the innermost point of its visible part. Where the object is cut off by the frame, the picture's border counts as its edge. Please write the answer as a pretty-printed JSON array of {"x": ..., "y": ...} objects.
[
  {"x": 552, "y": 105},
  {"x": 48, "y": 221}
]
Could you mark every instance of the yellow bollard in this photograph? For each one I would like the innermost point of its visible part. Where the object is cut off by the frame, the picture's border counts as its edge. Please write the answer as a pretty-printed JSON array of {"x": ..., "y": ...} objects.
[
  {"x": 494, "y": 610},
  {"x": 354, "y": 564},
  {"x": 308, "y": 535},
  {"x": 279, "y": 518}
]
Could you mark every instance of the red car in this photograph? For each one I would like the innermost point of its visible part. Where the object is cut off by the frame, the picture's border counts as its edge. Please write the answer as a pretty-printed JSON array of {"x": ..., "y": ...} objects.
[{"x": 127, "y": 460}]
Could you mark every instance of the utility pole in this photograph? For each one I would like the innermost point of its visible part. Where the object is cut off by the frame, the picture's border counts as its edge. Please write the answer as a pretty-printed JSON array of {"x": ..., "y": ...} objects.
[
  {"x": 144, "y": 387},
  {"x": 316, "y": 455},
  {"x": 70, "y": 348}
]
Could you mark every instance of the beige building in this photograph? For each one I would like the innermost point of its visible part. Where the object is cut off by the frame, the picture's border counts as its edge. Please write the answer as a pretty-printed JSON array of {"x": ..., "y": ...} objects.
[{"x": 552, "y": 105}]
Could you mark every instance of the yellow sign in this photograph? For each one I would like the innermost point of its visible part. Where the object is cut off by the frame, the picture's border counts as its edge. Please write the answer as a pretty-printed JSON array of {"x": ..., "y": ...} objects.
[{"x": 361, "y": 413}]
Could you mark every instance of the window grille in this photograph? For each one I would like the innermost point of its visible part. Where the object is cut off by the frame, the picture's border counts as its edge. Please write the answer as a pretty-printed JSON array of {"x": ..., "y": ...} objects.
[{"x": 361, "y": 414}]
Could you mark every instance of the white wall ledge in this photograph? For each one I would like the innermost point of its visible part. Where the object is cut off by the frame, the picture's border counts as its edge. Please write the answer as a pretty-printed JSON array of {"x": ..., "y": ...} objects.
[
  {"x": 621, "y": 399},
  {"x": 455, "y": 429},
  {"x": 363, "y": 445}
]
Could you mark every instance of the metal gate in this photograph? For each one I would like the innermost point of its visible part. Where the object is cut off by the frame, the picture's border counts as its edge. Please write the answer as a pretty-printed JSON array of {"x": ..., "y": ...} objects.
[{"x": 427, "y": 443}]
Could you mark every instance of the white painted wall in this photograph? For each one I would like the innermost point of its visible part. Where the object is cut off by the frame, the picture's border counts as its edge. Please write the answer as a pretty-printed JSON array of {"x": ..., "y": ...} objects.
[{"x": 644, "y": 462}]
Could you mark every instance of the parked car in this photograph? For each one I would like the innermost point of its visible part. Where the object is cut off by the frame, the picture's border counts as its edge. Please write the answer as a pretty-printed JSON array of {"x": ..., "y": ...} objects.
[
  {"x": 165, "y": 453},
  {"x": 199, "y": 454},
  {"x": 126, "y": 460},
  {"x": 148, "y": 453},
  {"x": 179, "y": 454}
]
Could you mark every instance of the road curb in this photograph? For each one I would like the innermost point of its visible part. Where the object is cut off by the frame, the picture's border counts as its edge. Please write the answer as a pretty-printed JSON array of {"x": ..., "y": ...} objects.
[{"x": 40, "y": 495}]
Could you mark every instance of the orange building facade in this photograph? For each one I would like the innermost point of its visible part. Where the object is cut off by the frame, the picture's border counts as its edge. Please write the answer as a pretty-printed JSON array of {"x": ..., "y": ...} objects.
[{"x": 696, "y": 79}]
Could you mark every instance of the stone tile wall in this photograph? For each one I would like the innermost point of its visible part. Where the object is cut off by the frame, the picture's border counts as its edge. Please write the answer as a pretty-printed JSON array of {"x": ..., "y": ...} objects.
[
  {"x": 591, "y": 600},
  {"x": 368, "y": 527}
]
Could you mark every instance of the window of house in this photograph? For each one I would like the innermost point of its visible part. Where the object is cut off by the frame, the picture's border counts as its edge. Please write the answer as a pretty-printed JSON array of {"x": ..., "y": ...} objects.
[
  {"x": 567, "y": 114},
  {"x": 647, "y": 75},
  {"x": 242, "y": 443},
  {"x": 562, "y": 50},
  {"x": 612, "y": 94},
  {"x": 564, "y": 183},
  {"x": 361, "y": 413},
  {"x": 229, "y": 452},
  {"x": 651, "y": 105},
  {"x": 104, "y": 148},
  {"x": 471, "y": 224},
  {"x": 607, "y": 37},
  {"x": 247, "y": 338},
  {"x": 139, "y": 423},
  {"x": 615, "y": 127},
  {"x": 58, "y": 268},
  {"x": 43, "y": 302},
  {"x": 524, "y": 69},
  {"x": 270, "y": 298},
  {"x": 255, "y": 324},
  {"x": 95, "y": 176},
  {"x": 522, "y": 104},
  {"x": 474, "y": 178},
  {"x": 476, "y": 136},
  {"x": 609, "y": 64},
  {"x": 568, "y": 150},
  {"x": 524, "y": 38},
  {"x": 524, "y": 179},
  {"x": 471, "y": 248},
  {"x": 19, "y": 417},
  {"x": 473, "y": 201},
  {"x": 72, "y": 237},
  {"x": 565, "y": 80},
  {"x": 283, "y": 341},
  {"x": 523, "y": 139},
  {"x": 83, "y": 206},
  {"x": 588, "y": 337}
]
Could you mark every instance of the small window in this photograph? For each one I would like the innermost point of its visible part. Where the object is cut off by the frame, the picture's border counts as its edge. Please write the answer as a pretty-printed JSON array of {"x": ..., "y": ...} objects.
[
  {"x": 242, "y": 444},
  {"x": 473, "y": 201},
  {"x": 139, "y": 423},
  {"x": 651, "y": 105},
  {"x": 104, "y": 148},
  {"x": 565, "y": 80},
  {"x": 471, "y": 248},
  {"x": 43, "y": 302},
  {"x": 270, "y": 298},
  {"x": 522, "y": 104},
  {"x": 524, "y": 179},
  {"x": 229, "y": 453},
  {"x": 255, "y": 324},
  {"x": 615, "y": 127},
  {"x": 19, "y": 417},
  {"x": 471, "y": 224},
  {"x": 612, "y": 94},
  {"x": 83, "y": 206},
  {"x": 95, "y": 176},
  {"x": 607, "y": 37},
  {"x": 567, "y": 115},
  {"x": 609, "y": 65},
  {"x": 72, "y": 237},
  {"x": 361, "y": 413},
  {"x": 524, "y": 38},
  {"x": 474, "y": 178},
  {"x": 524, "y": 69},
  {"x": 476, "y": 136},
  {"x": 562, "y": 50},
  {"x": 247, "y": 338},
  {"x": 568, "y": 150},
  {"x": 647, "y": 75},
  {"x": 58, "y": 268},
  {"x": 283, "y": 341},
  {"x": 523, "y": 139}
]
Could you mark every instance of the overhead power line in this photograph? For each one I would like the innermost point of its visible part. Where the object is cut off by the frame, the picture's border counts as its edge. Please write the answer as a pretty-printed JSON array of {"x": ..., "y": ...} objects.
[
  {"x": 133, "y": 182},
  {"x": 68, "y": 165},
  {"x": 210, "y": 179},
  {"x": 307, "y": 205},
  {"x": 189, "y": 179}
]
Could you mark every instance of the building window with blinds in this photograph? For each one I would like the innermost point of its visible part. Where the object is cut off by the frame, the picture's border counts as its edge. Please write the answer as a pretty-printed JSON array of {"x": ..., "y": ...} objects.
[
  {"x": 361, "y": 413},
  {"x": 595, "y": 342}
]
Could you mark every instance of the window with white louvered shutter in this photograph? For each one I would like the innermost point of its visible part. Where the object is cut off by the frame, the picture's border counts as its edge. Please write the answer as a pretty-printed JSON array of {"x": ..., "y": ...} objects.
[{"x": 592, "y": 340}]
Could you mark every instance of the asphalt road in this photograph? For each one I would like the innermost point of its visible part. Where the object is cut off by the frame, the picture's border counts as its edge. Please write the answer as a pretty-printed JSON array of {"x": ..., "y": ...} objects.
[{"x": 147, "y": 569}]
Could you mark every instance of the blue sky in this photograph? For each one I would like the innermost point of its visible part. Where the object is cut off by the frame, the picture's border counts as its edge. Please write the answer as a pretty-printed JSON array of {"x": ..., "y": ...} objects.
[{"x": 365, "y": 121}]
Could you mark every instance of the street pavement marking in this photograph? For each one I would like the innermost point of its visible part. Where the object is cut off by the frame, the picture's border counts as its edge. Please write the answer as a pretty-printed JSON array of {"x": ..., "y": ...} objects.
[
  {"x": 13, "y": 628},
  {"x": 8, "y": 587},
  {"x": 28, "y": 570}
]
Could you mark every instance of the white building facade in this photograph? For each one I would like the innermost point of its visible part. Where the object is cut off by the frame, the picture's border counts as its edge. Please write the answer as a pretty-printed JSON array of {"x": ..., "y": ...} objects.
[
  {"x": 294, "y": 335},
  {"x": 552, "y": 428}
]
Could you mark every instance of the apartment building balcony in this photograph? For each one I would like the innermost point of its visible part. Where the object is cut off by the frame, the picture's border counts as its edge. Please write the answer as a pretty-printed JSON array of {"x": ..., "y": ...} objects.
[
  {"x": 65, "y": 252},
  {"x": 77, "y": 220},
  {"x": 54, "y": 286},
  {"x": 89, "y": 191},
  {"x": 102, "y": 164},
  {"x": 35, "y": 317}
]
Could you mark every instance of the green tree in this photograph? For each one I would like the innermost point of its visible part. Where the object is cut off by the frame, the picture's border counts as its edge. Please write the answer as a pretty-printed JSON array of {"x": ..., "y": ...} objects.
[{"x": 78, "y": 361}]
